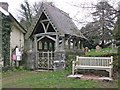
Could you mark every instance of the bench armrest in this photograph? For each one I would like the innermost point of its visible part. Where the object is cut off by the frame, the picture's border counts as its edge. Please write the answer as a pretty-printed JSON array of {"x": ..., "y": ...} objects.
[{"x": 110, "y": 63}]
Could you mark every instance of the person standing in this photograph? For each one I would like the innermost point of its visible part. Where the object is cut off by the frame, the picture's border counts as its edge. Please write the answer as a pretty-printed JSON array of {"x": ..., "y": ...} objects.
[
  {"x": 18, "y": 56},
  {"x": 14, "y": 58}
]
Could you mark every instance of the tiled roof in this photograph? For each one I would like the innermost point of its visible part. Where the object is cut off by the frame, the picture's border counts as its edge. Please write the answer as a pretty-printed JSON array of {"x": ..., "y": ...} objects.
[
  {"x": 6, "y": 13},
  {"x": 61, "y": 20}
]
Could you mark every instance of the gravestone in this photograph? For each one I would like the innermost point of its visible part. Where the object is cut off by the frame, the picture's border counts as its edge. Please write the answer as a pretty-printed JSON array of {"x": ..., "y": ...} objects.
[{"x": 98, "y": 48}]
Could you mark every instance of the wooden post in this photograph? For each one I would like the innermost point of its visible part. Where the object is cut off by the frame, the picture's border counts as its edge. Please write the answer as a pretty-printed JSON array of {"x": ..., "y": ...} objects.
[
  {"x": 48, "y": 59},
  {"x": 81, "y": 46},
  {"x": 73, "y": 44},
  {"x": 48, "y": 46},
  {"x": 69, "y": 44},
  {"x": 63, "y": 43},
  {"x": 77, "y": 44},
  {"x": 111, "y": 62},
  {"x": 53, "y": 46}
]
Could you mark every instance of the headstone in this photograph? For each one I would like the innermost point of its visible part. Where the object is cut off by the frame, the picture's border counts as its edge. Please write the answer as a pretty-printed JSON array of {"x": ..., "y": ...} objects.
[
  {"x": 98, "y": 48},
  {"x": 85, "y": 50}
]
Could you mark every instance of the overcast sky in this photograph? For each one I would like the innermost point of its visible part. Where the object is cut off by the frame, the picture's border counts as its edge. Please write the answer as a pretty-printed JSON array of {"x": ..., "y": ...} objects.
[{"x": 79, "y": 13}]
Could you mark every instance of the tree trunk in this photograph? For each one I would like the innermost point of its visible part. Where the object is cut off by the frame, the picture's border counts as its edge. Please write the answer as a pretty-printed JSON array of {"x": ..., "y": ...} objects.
[{"x": 103, "y": 44}]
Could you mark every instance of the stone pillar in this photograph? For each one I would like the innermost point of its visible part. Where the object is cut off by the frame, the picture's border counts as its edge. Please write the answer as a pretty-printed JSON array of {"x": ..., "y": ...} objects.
[
  {"x": 31, "y": 60},
  {"x": 59, "y": 60},
  {"x": 63, "y": 42},
  {"x": 57, "y": 43},
  {"x": 36, "y": 55}
]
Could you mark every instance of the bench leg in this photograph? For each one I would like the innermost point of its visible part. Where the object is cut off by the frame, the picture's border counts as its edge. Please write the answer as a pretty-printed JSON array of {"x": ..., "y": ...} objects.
[
  {"x": 110, "y": 73},
  {"x": 73, "y": 68},
  {"x": 72, "y": 71}
]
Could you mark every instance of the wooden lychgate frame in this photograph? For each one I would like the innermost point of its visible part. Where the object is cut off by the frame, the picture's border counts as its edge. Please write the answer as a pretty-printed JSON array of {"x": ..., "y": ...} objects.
[{"x": 54, "y": 31}]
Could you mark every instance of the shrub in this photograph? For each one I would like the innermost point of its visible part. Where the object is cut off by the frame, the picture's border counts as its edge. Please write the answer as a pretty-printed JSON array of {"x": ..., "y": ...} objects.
[{"x": 69, "y": 60}]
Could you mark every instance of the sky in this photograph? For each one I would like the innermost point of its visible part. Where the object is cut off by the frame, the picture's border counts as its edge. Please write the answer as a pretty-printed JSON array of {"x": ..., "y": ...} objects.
[{"x": 76, "y": 13}]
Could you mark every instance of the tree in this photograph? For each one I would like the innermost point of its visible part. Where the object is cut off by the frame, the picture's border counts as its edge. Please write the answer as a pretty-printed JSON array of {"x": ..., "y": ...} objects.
[
  {"x": 29, "y": 12},
  {"x": 36, "y": 7},
  {"x": 101, "y": 29},
  {"x": 104, "y": 17},
  {"x": 26, "y": 14},
  {"x": 116, "y": 31},
  {"x": 90, "y": 32}
]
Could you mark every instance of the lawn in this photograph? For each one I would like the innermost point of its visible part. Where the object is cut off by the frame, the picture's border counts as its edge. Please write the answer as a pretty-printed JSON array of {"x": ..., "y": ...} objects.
[
  {"x": 103, "y": 51},
  {"x": 49, "y": 79}
]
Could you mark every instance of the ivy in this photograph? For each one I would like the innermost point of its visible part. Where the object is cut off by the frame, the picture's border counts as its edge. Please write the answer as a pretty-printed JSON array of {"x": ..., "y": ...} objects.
[{"x": 6, "y": 29}]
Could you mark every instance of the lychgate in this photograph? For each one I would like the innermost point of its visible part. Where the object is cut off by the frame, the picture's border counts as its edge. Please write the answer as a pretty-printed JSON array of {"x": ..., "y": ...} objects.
[{"x": 51, "y": 36}]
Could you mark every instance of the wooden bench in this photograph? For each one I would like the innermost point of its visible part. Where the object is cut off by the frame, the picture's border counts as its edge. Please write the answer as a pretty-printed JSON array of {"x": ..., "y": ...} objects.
[{"x": 96, "y": 63}]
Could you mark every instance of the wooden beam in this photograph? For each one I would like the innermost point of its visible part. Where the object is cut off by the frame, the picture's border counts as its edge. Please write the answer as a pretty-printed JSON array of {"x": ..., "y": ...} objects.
[
  {"x": 47, "y": 26},
  {"x": 47, "y": 37},
  {"x": 47, "y": 33},
  {"x": 45, "y": 20},
  {"x": 51, "y": 38},
  {"x": 40, "y": 38},
  {"x": 43, "y": 27},
  {"x": 50, "y": 20}
]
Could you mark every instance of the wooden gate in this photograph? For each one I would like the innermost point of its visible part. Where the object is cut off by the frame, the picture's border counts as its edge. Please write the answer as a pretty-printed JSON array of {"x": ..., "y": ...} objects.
[{"x": 45, "y": 60}]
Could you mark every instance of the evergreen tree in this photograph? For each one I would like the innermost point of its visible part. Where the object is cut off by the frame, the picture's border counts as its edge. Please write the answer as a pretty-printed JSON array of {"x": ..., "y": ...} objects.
[
  {"x": 104, "y": 17},
  {"x": 116, "y": 31}
]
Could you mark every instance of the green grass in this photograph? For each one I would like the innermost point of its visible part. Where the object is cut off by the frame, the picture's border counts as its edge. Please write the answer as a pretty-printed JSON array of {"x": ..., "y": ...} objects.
[
  {"x": 48, "y": 79},
  {"x": 103, "y": 51}
]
